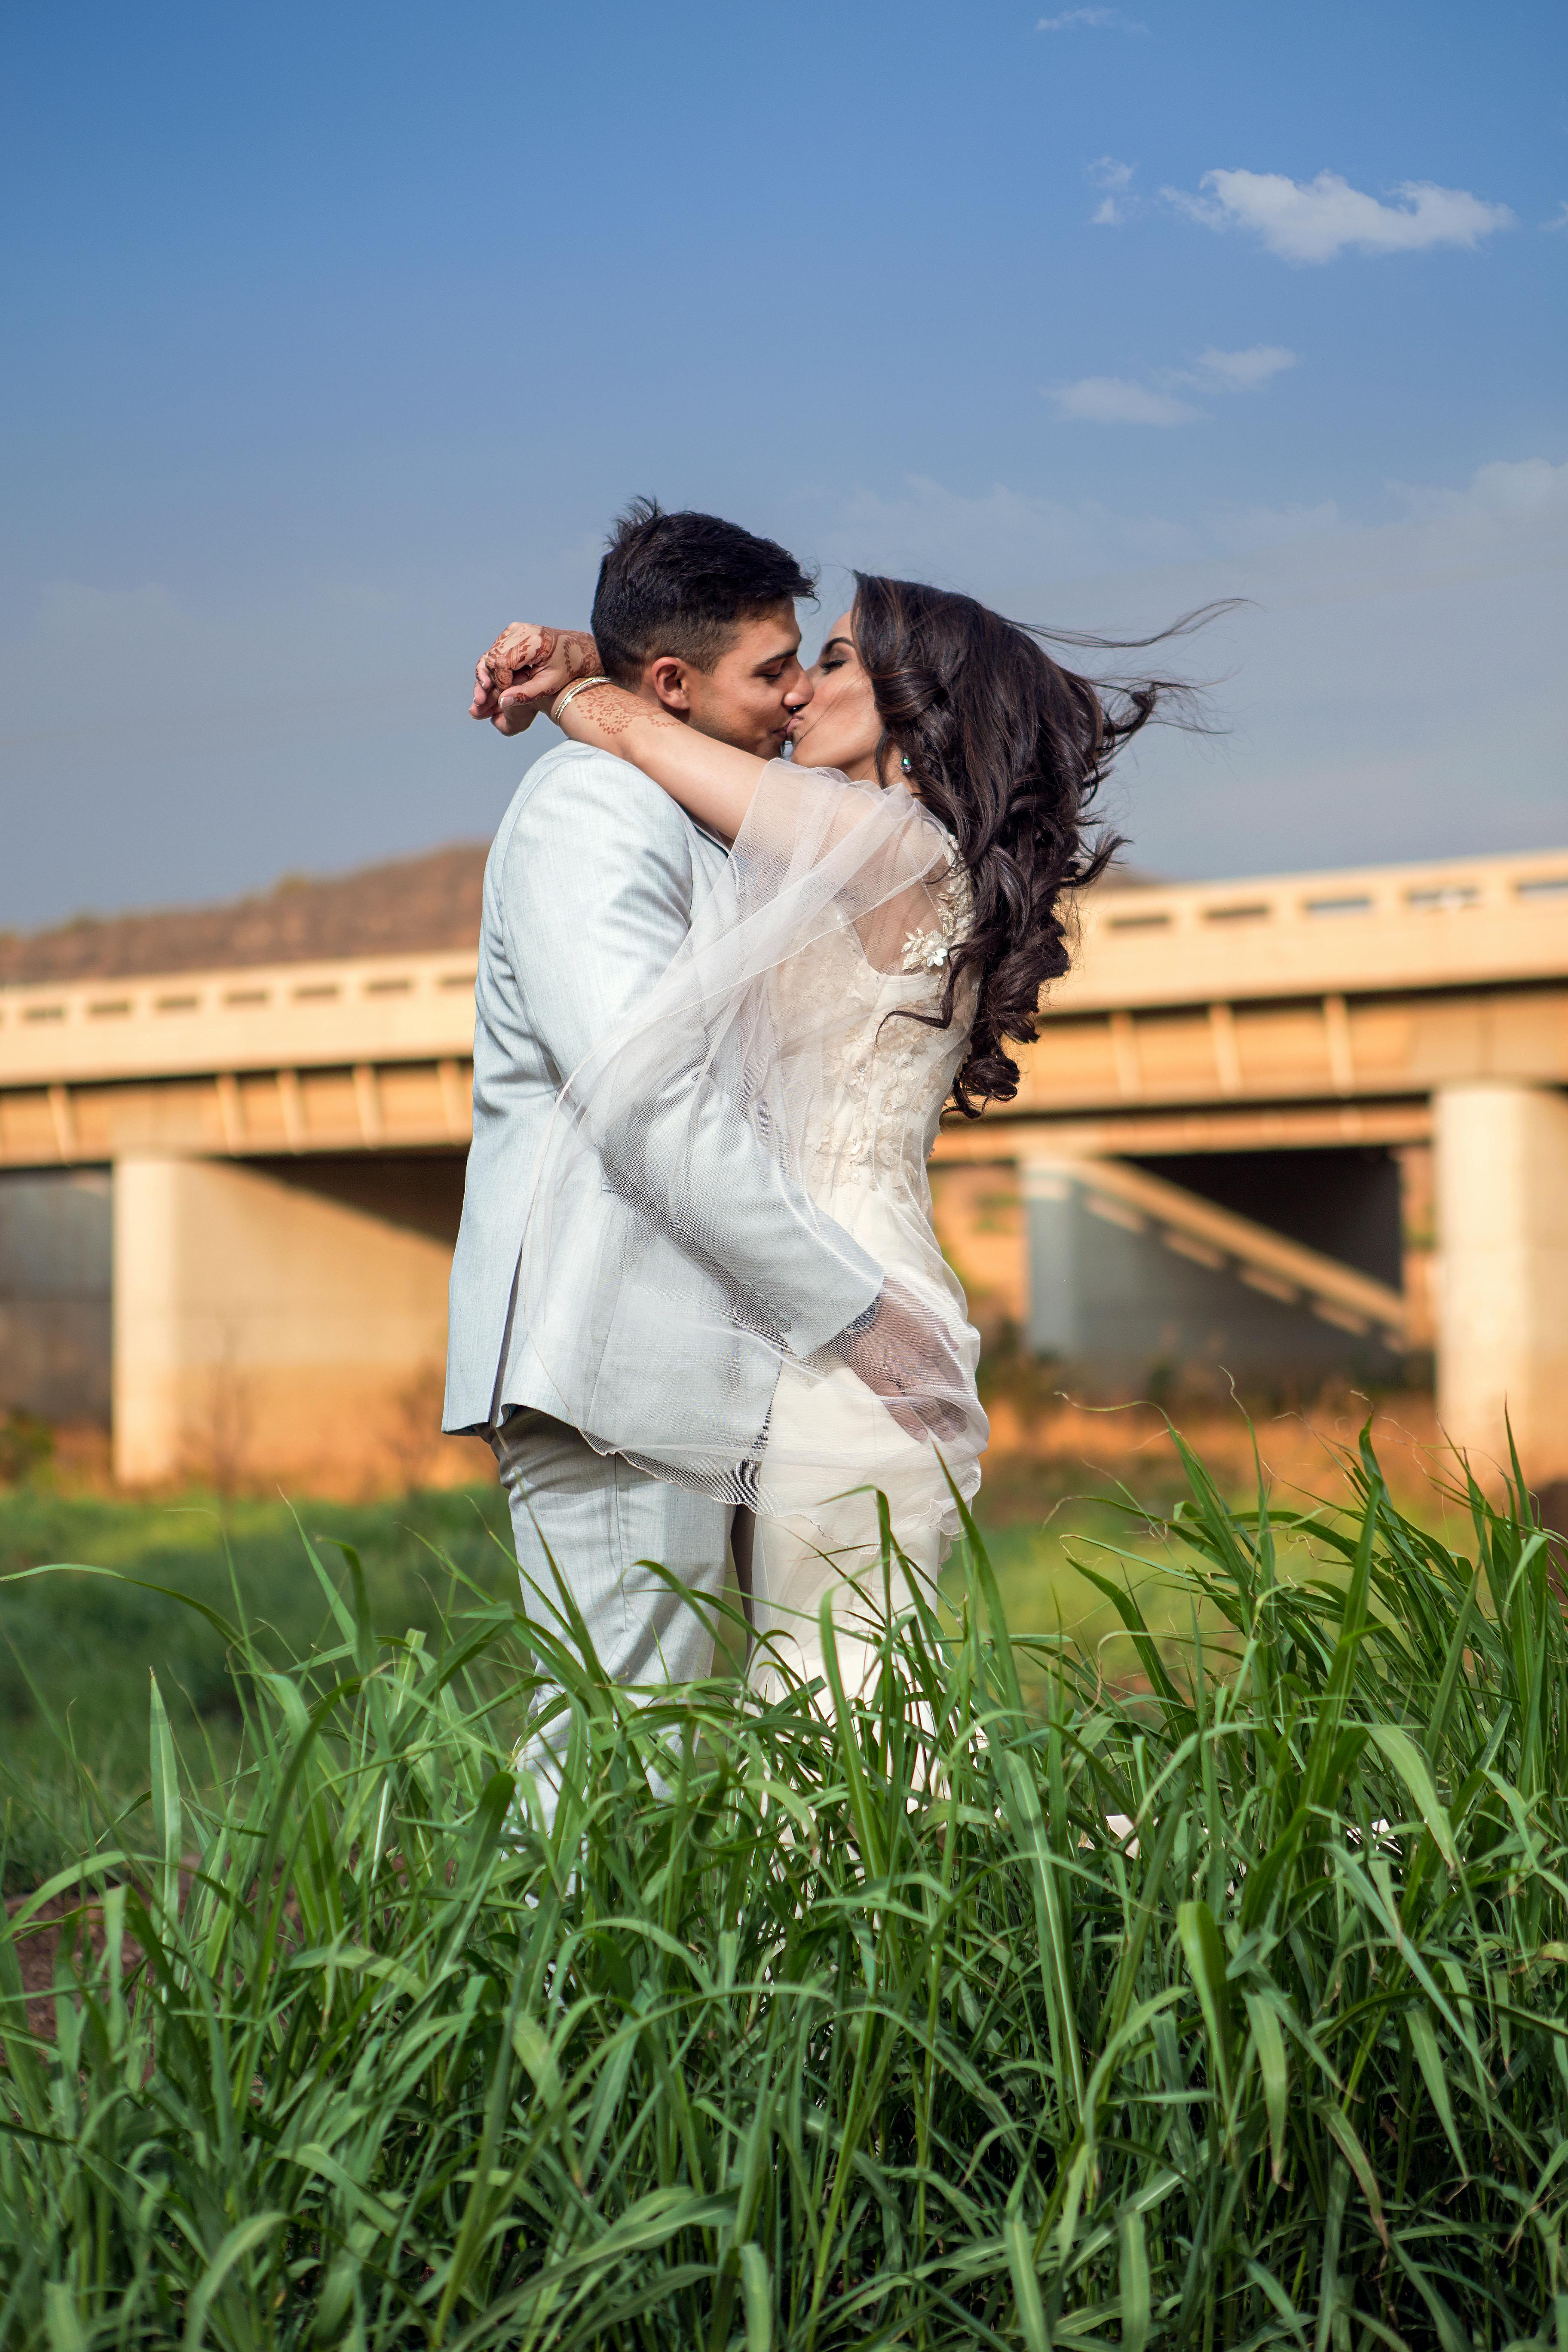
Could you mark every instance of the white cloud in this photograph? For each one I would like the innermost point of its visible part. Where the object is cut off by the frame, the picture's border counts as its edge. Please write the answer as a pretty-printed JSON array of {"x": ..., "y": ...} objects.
[
  {"x": 991, "y": 542},
  {"x": 1118, "y": 203},
  {"x": 1241, "y": 371},
  {"x": 1531, "y": 492},
  {"x": 1559, "y": 218},
  {"x": 1099, "y": 19},
  {"x": 1313, "y": 220},
  {"x": 1115, "y": 400},
  {"x": 923, "y": 529},
  {"x": 1249, "y": 531},
  {"x": 1509, "y": 517},
  {"x": 1119, "y": 400}
]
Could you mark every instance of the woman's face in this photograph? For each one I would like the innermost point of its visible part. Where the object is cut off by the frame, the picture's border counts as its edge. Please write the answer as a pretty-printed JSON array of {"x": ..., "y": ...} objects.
[{"x": 839, "y": 726}]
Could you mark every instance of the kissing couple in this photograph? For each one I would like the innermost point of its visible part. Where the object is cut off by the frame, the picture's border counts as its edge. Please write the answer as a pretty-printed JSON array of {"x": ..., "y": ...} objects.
[{"x": 724, "y": 994}]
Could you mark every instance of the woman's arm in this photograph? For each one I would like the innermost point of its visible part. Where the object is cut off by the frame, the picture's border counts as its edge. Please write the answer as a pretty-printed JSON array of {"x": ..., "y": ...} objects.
[
  {"x": 528, "y": 667},
  {"x": 896, "y": 876},
  {"x": 713, "y": 782}
]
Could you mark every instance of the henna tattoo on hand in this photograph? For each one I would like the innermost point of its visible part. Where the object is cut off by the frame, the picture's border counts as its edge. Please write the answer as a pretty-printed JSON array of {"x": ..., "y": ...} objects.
[
  {"x": 605, "y": 707},
  {"x": 611, "y": 710}
]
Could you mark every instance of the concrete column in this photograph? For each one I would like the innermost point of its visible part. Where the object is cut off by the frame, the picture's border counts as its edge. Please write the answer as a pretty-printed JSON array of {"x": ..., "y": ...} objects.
[
  {"x": 1500, "y": 1174},
  {"x": 265, "y": 1328},
  {"x": 1056, "y": 1326}
]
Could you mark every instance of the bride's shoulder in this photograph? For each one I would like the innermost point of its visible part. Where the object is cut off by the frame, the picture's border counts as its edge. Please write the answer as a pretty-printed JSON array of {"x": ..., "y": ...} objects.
[
  {"x": 948, "y": 913},
  {"x": 947, "y": 877}
]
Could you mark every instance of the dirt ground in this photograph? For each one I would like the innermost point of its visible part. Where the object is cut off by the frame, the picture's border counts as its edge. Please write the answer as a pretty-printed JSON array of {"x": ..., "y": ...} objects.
[
  {"x": 1076, "y": 1449},
  {"x": 40, "y": 1944}
]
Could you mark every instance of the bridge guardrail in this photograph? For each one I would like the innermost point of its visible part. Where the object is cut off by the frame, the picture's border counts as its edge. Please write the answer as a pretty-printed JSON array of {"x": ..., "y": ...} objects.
[
  {"x": 247, "y": 1017},
  {"x": 1449, "y": 924}
]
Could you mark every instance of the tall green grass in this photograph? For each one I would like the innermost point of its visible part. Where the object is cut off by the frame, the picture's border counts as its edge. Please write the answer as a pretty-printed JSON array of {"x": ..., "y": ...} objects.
[
  {"x": 1228, "y": 2010},
  {"x": 76, "y": 1651}
]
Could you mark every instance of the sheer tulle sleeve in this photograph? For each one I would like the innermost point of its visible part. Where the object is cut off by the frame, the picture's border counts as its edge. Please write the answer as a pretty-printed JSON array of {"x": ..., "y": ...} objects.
[{"x": 680, "y": 1178}]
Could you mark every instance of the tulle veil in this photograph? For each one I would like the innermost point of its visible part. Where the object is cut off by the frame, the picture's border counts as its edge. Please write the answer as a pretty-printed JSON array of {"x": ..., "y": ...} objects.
[{"x": 753, "y": 1046}]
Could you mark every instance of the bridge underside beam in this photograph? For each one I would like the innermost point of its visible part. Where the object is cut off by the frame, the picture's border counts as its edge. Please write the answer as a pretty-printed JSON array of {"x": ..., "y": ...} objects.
[
  {"x": 364, "y": 1107},
  {"x": 1330, "y": 1047},
  {"x": 1273, "y": 1127}
]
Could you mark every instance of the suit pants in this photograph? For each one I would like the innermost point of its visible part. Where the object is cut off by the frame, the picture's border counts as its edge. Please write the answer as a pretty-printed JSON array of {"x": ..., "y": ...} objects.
[{"x": 598, "y": 1518}]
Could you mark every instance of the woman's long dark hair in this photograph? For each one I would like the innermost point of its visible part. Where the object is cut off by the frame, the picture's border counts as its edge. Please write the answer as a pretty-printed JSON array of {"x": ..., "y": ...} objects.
[{"x": 1007, "y": 750}]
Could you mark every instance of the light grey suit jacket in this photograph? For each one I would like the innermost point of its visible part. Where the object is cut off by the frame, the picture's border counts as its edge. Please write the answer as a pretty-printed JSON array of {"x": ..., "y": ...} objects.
[{"x": 588, "y": 895}]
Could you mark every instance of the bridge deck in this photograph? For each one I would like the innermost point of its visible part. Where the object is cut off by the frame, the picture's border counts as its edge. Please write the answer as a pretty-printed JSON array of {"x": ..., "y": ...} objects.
[{"x": 1295, "y": 1010}]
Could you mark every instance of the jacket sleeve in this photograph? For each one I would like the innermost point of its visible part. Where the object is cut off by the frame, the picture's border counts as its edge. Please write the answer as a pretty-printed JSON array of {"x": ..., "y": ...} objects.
[{"x": 596, "y": 899}]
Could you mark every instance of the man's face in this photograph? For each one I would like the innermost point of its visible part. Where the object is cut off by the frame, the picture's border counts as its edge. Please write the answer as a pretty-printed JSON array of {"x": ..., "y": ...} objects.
[{"x": 752, "y": 691}]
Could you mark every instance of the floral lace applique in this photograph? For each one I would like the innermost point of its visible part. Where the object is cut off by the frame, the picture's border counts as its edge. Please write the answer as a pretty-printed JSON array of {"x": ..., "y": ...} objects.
[
  {"x": 885, "y": 1076},
  {"x": 928, "y": 949}
]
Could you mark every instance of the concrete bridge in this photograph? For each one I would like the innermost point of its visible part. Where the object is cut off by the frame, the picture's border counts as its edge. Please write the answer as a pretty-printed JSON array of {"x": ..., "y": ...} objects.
[{"x": 1315, "y": 1121}]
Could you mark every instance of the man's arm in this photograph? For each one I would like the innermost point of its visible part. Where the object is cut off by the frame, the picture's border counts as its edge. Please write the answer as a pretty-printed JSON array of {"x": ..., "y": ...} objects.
[{"x": 596, "y": 901}]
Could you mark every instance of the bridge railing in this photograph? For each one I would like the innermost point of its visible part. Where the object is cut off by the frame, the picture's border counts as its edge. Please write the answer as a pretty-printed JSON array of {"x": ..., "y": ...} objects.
[
  {"x": 297, "y": 1015},
  {"x": 1458, "y": 922}
]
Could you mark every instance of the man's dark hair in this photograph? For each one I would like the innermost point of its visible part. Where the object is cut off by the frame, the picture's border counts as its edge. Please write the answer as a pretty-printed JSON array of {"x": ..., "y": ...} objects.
[{"x": 680, "y": 583}]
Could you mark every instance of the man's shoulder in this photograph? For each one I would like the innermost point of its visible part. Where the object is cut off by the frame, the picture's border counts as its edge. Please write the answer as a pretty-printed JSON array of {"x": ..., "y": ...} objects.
[
  {"x": 574, "y": 784},
  {"x": 586, "y": 798},
  {"x": 577, "y": 772}
]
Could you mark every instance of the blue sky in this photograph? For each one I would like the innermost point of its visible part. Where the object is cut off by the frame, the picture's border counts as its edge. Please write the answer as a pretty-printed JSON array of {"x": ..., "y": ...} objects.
[{"x": 335, "y": 335}]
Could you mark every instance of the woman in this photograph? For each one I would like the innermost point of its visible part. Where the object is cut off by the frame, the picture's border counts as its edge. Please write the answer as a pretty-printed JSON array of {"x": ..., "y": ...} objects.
[{"x": 896, "y": 900}]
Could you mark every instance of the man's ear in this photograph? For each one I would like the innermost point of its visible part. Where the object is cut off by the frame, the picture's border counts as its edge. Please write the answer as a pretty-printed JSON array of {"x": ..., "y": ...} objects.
[{"x": 666, "y": 677}]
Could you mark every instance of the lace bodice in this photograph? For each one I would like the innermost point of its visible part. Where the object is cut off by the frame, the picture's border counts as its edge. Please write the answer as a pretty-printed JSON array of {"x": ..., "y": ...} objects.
[{"x": 882, "y": 1082}]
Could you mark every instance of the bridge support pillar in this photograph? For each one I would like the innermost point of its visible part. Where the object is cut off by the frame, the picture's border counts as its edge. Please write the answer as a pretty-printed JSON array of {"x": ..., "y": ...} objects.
[
  {"x": 264, "y": 1327},
  {"x": 1502, "y": 1186}
]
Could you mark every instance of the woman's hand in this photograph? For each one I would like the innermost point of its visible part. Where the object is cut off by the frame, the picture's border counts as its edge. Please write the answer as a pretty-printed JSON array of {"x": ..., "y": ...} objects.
[
  {"x": 906, "y": 1357},
  {"x": 525, "y": 669}
]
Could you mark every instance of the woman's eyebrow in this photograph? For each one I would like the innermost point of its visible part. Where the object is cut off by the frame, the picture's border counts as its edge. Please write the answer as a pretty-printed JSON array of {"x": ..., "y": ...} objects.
[{"x": 846, "y": 643}]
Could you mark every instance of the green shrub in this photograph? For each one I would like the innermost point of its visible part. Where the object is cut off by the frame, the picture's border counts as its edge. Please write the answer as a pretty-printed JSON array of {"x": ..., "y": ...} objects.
[
  {"x": 27, "y": 1445},
  {"x": 1225, "y": 2010}
]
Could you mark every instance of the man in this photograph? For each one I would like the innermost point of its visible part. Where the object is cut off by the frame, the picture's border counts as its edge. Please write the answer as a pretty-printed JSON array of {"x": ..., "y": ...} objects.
[{"x": 588, "y": 895}]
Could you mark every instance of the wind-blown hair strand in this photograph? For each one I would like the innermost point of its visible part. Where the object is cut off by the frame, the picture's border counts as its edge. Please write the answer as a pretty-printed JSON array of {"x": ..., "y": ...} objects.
[{"x": 1009, "y": 750}]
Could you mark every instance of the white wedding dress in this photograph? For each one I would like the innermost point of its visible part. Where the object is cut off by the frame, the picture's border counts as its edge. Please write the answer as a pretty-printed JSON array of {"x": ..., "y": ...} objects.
[
  {"x": 884, "y": 1085},
  {"x": 832, "y": 922}
]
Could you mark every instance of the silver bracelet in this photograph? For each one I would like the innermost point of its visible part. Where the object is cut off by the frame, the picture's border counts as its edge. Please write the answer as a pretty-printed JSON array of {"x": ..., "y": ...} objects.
[{"x": 559, "y": 705}]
